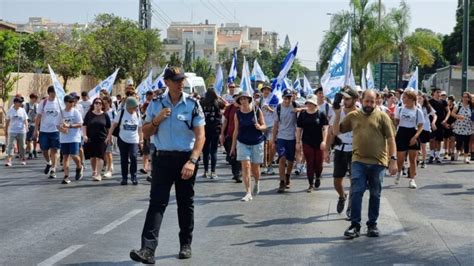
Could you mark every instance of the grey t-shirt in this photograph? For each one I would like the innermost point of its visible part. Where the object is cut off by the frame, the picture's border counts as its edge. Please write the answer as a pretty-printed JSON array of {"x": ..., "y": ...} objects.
[{"x": 287, "y": 125}]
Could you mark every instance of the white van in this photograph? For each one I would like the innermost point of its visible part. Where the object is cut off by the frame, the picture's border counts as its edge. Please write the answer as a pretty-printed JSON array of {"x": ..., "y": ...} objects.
[{"x": 194, "y": 83}]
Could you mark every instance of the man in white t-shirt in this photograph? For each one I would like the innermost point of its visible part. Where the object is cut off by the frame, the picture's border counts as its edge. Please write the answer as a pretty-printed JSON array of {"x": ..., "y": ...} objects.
[
  {"x": 323, "y": 105},
  {"x": 85, "y": 103},
  {"x": 46, "y": 128},
  {"x": 228, "y": 97}
]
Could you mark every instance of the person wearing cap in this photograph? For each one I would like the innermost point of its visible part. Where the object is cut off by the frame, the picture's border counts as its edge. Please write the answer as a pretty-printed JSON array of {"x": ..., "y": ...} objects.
[
  {"x": 226, "y": 138},
  {"x": 311, "y": 137},
  {"x": 268, "y": 104},
  {"x": 95, "y": 129},
  {"x": 284, "y": 129},
  {"x": 372, "y": 133},
  {"x": 343, "y": 150},
  {"x": 130, "y": 137},
  {"x": 247, "y": 142},
  {"x": 15, "y": 128},
  {"x": 443, "y": 113},
  {"x": 444, "y": 95},
  {"x": 46, "y": 129},
  {"x": 70, "y": 138},
  {"x": 85, "y": 102},
  {"x": 31, "y": 109},
  {"x": 176, "y": 122},
  {"x": 229, "y": 96}
]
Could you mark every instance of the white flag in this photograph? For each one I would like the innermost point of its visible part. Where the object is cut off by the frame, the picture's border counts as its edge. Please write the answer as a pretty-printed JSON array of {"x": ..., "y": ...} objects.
[
  {"x": 107, "y": 84},
  {"x": 58, "y": 88},
  {"x": 370, "y": 77}
]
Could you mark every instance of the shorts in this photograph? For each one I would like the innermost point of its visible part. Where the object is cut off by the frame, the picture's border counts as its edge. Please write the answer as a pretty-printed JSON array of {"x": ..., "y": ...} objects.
[
  {"x": 70, "y": 148},
  {"x": 342, "y": 163},
  {"x": 286, "y": 148},
  {"x": 403, "y": 138},
  {"x": 29, "y": 134},
  {"x": 49, "y": 140},
  {"x": 424, "y": 136},
  {"x": 146, "y": 147},
  {"x": 268, "y": 134},
  {"x": 438, "y": 134},
  {"x": 252, "y": 153}
]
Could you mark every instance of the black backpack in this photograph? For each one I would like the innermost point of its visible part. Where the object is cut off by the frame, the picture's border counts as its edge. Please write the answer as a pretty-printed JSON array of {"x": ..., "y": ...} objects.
[{"x": 279, "y": 109}]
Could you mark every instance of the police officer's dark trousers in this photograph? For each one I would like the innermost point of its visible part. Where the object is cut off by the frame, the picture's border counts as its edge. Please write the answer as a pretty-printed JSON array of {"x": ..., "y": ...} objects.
[{"x": 166, "y": 171}]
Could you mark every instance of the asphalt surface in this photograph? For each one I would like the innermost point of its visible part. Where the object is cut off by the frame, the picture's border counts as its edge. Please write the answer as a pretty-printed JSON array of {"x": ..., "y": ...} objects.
[{"x": 98, "y": 223}]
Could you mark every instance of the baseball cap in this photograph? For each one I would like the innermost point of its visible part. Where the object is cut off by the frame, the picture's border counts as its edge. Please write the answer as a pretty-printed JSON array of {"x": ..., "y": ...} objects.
[
  {"x": 287, "y": 93},
  {"x": 350, "y": 93},
  {"x": 18, "y": 100},
  {"x": 174, "y": 73},
  {"x": 68, "y": 98},
  {"x": 266, "y": 85},
  {"x": 74, "y": 95}
]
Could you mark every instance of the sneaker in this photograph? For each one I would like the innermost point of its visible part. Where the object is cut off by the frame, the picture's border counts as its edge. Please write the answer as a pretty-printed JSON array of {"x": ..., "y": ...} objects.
[
  {"x": 185, "y": 252},
  {"x": 397, "y": 179},
  {"x": 404, "y": 170},
  {"x": 288, "y": 181},
  {"x": 317, "y": 182},
  {"x": 149, "y": 178},
  {"x": 270, "y": 170},
  {"x": 423, "y": 165},
  {"x": 256, "y": 188},
  {"x": 214, "y": 175},
  {"x": 8, "y": 164},
  {"x": 372, "y": 231},
  {"x": 437, "y": 160},
  {"x": 52, "y": 174},
  {"x": 143, "y": 171},
  {"x": 238, "y": 180},
  {"x": 310, "y": 189},
  {"x": 46, "y": 169},
  {"x": 446, "y": 156},
  {"x": 78, "y": 173},
  {"x": 430, "y": 160},
  {"x": 143, "y": 255},
  {"x": 341, "y": 202},
  {"x": 107, "y": 174},
  {"x": 352, "y": 232},
  {"x": 205, "y": 175},
  {"x": 66, "y": 181},
  {"x": 467, "y": 159},
  {"x": 124, "y": 182},
  {"x": 281, "y": 188},
  {"x": 411, "y": 183},
  {"x": 96, "y": 177},
  {"x": 23, "y": 162},
  {"x": 247, "y": 197},
  {"x": 134, "y": 181},
  {"x": 297, "y": 169}
]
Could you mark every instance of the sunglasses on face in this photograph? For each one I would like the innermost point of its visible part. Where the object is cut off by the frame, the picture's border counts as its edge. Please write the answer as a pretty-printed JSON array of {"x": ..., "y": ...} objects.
[
  {"x": 70, "y": 101},
  {"x": 98, "y": 103}
]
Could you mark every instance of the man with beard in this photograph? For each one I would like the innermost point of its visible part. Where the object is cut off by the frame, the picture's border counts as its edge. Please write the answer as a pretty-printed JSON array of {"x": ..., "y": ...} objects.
[{"x": 372, "y": 130}]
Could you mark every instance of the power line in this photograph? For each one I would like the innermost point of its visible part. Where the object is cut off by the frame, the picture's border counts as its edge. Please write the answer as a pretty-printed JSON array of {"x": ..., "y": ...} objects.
[
  {"x": 217, "y": 9},
  {"x": 210, "y": 9},
  {"x": 160, "y": 20},
  {"x": 161, "y": 15},
  {"x": 160, "y": 10},
  {"x": 225, "y": 8}
]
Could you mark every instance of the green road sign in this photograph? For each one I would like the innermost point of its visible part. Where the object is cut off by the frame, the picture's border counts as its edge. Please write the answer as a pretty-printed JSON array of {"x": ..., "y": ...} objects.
[{"x": 386, "y": 74}]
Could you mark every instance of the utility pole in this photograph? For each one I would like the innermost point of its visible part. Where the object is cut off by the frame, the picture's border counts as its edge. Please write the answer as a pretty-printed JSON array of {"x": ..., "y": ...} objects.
[
  {"x": 465, "y": 45},
  {"x": 144, "y": 14}
]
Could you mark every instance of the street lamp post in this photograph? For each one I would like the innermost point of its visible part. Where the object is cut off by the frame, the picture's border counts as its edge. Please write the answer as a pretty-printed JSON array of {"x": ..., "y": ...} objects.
[{"x": 465, "y": 46}]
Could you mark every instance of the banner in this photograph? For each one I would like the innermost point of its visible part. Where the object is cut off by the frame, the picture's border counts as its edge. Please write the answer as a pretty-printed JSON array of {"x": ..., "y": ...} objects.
[
  {"x": 107, "y": 84},
  {"x": 58, "y": 88}
]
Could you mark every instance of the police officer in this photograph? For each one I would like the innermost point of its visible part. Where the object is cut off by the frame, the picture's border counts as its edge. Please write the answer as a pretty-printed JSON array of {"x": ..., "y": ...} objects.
[{"x": 176, "y": 123}]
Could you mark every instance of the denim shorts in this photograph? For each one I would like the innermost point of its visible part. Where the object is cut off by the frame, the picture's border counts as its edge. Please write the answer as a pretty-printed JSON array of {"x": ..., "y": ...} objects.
[
  {"x": 252, "y": 153},
  {"x": 286, "y": 148},
  {"x": 49, "y": 140},
  {"x": 70, "y": 148}
]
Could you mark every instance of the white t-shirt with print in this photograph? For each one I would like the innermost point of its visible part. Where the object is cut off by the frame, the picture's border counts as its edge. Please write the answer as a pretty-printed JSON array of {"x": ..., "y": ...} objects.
[
  {"x": 129, "y": 127},
  {"x": 426, "y": 116},
  {"x": 50, "y": 115},
  {"x": 74, "y": 134},
  {"x": 17, "y": 120},
  {"x": 409, "y": 118}
]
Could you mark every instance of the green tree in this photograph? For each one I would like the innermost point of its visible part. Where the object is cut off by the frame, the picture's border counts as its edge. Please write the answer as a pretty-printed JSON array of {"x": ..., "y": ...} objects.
[
  {"x": 32, "y": 51},
  {"x": 9, "y": 44},
  {"x": 203, "y": 69},
  {"x": 175, "y": 60},
  {"x": 452, "y": 43}
]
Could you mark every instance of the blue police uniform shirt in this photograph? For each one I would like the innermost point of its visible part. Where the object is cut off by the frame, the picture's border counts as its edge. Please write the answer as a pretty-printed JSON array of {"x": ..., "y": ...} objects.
[{"x": 173, "y": 133}]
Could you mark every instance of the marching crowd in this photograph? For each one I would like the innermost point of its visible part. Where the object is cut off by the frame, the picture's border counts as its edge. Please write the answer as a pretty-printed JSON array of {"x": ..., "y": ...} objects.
[{"x": 364, "y": 133}]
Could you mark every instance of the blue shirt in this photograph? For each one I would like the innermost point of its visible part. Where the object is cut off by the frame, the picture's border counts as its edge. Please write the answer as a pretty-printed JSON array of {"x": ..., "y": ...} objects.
[{"x": 173, "y": 133}]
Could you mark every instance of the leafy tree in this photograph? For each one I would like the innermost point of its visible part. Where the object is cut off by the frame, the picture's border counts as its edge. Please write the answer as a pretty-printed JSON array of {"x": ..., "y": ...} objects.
[
  {"x": 9, "y": 44},
  {"x": 203, "y": 69},
  {"x": 452, "y": 43},
  {"x": 32, "y": 52},
  {"x": 175, "y": 60}
]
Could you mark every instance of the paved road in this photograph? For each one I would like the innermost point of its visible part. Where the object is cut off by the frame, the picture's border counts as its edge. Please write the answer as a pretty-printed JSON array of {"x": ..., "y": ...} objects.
[{"x": 97, "y": 223}]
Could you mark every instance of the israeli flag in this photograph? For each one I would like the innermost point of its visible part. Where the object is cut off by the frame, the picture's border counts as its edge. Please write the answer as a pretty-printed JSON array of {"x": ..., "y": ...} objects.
[
  {"x": 233, "y": 69},
  {"x": 159, "y": 82},
  {"x": 338, "y": 72},
  {"x": 285, "y": 68},
  {"x": 257, "y": 73},
  {"x": 413, "y": 83},
  {"x": 219, "y": 81},
  {"x": 107, "y": 84},
  {"x": 363, "y": 83},
  {"x": 245, "y": 83},
  {"x": 370, "y": 77},
  {"x": 145, "y": 85},
  {"x": 58, "y": 88},
  {"x": 307, "y": 90},
  {"x": 297, "y": 84}
]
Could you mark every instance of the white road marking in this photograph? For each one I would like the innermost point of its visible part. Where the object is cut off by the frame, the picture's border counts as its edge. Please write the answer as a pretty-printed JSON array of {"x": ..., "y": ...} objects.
[
  {"x": 117, "y": 222},
  {"x": 60, "y": 255}
]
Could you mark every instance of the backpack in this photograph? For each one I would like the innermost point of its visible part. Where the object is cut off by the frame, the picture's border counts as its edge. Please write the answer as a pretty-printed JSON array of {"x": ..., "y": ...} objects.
[
  {"x": 194, "y": 113},
  {"x": 279, "y": 109}
]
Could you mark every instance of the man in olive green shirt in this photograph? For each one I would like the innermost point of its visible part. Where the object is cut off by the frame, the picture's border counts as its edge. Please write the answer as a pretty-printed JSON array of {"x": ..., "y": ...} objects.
[{"x": 372, "y": 131}]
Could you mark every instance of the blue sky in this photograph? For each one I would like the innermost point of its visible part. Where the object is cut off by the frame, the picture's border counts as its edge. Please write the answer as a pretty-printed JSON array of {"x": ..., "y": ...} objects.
[{"x": 303, "y": 20}]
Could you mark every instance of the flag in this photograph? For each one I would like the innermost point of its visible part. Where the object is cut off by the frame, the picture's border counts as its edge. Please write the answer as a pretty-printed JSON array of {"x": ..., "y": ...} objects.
[
  {"x": 219, "y": 80},
  {"x": 306, "y": 86},
  {"x": 352, "y": 82},
  {"x": 233, "y": 69},
  {"x": 370, "y": 77},
  {"x": 363, "y": 80},
  {"x": 58, "y": 88},
  {"x": 297, "y": 84},
  {"x": 338, "y": 72},
  {"x": 257, "y": 73},
  {"x": 245, "y": 83},
  {"x": 107, "y": 84},
  {"x": 285, "y": 68},
  {"x": 413, "y": 83},
  {"x": 159, "y": 82},
  {"x": 145, "y": 85}
]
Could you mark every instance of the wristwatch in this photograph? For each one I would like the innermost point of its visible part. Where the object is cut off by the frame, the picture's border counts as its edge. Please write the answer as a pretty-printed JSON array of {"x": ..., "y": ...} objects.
[
  {"x": 193, "y": 161},
  {"x": 393, "y": 158}
]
